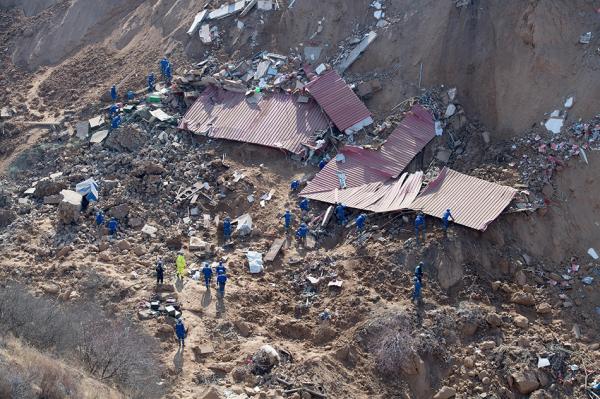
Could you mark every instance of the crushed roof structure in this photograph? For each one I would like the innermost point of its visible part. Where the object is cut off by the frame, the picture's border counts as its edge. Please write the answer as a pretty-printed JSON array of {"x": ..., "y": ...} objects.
[
  {"x": 474, "y": 203},
  {"x": 376, "y": 197},
  {"x": 339, "y": 102},
  {"x": 278, "y": 120},
  {"x": 361, "y": 167}
]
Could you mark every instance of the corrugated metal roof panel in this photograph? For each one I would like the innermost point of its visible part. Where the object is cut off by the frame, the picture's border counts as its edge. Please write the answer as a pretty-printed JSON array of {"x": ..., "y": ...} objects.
[
  {"x": 474, "y": 203},
  {"x": 278, "y": 120},
  {"x": 376, "y": 197},
  {"x": 363, "y": 166},
  {"x": 338, "y": 101}
]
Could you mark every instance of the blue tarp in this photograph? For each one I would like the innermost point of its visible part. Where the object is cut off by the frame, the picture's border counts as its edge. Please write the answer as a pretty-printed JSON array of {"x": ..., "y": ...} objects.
[{"x": 89, "y": 188}]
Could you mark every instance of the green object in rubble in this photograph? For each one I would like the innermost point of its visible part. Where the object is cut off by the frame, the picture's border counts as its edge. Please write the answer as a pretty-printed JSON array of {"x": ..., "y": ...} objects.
[{"x": 153, "y": 98}]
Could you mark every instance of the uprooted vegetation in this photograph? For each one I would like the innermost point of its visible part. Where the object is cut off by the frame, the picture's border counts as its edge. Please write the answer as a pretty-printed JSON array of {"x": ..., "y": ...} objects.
[{"x": 115, "y": 351}]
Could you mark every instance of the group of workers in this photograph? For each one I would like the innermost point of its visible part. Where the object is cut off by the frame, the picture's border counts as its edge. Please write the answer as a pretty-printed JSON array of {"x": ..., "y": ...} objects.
[
  {"x": 304, "y": 205},
  {"x": 112, "y": 224},
  {"x": 207, "y": 271},
  {"x": 420, "y": 224},
  {"x": 114, "y": 111}
]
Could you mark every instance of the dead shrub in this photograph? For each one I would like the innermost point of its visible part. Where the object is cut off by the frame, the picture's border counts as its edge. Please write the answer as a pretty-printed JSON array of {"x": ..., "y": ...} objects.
[{"x": 113, "y": 350}]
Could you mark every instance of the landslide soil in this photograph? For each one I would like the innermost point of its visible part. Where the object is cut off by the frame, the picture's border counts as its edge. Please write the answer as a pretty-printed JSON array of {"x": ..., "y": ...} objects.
[{"x": 512, "y": 61}]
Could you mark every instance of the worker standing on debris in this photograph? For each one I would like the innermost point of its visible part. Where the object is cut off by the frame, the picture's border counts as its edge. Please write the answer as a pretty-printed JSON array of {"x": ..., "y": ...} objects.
[
  {"x": 360, "y": 222},
  {"x": 168, "y": 74},
  {"x": 304, "y": 206},
  {"x": 420, "y": 226},
  {"x": 160, "y": 271},
  {"x": 180, "y": 262},
  {"x": 445, "y": 219},
  {"x": 227, "y": 229},
  {"x": 322, "y": 164},
  {"x": 340, "y": 214},
  {"x": 221, "y": 280},
  {"x": 419, "y": 272},
  {"x": 151, "y": 82},
  {"x": 116, "y": 121},
  {"x": 163, "y": 65},
  {"x": 180, "y": 331},
  {"x": 295, "y": 185},
  {"x": 221, "y": 268},
  {"x": 207, "y": 271},
  {"x": 302, "y": 232},
  {"x": 99, "y": 218},
  {"x": 417, "y": 291},
  {"x": 130, "y": 95},
  {"x": 113, "y": 224},
  {"x": 113, "y": 110},
  {"x": 113, "y": 93},
  {"x": 287, "y": 220}
]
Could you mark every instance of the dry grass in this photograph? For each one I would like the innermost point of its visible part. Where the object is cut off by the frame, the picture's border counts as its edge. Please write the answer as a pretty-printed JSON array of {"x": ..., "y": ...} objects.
[
  {"x": 111, "y": 350},
  {"x": 26, "y": 373}
]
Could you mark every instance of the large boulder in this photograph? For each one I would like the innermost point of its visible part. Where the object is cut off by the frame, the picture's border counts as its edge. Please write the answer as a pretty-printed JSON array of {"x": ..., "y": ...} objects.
[
  {"x": 525, "y": 381},
  {"x": 48, "y": 187},
  {"x": 522, "y": 298},
  {"x": 69, "y": 208}
]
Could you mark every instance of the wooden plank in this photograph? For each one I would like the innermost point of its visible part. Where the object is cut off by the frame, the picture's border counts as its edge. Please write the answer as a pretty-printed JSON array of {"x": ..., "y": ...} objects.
[{"x": 274, "y": 250}]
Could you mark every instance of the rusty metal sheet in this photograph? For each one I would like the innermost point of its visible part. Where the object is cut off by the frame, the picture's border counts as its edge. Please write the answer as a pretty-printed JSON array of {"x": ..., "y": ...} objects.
[
  {"x": 365, "y": 166},
  {"x": 339, "y": 102},
  {"x": 474, "y": 202},
  {"x": 277, "y": 120}
]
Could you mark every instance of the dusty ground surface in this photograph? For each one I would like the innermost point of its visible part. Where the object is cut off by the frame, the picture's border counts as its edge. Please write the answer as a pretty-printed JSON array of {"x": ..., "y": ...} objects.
[{"x": 493, "y": 302}]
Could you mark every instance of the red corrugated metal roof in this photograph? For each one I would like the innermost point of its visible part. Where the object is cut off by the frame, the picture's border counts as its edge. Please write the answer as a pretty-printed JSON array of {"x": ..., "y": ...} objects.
[
  {"x": 338, "y": 101},
  {"x": 278, "y": 120},
  {"x": 363, "y": 166},
  {"x": 376, "y": 197},
  {"x": 473, "y": 202}
]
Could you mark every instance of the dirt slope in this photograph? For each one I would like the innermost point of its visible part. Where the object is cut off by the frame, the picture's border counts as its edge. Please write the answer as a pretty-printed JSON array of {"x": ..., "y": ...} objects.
[{"x": 514, "y": 60}]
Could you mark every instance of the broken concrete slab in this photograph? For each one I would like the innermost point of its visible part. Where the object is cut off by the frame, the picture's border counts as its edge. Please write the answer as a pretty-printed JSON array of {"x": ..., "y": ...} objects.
[
  {"x": 197, "y": 19},
  {"x": 356, "y": 52},
  {"x": 266, "y": 5},
  {"x": 99, "y": 136},
  {"x": 312, "y": 54},
  {"x": 227, "y": 10},
  {"x": 160, "y": 115},
  {"x": 70, "y": 207},
  {"x": 205, "y": 34},
  {"x": 262, "y": 69},
  {"x": 197, "y": 244},
  {"x": 149, "y": 230},
  {"x": 96, "y": 122},
  {"x": 83, "y": 129}
]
